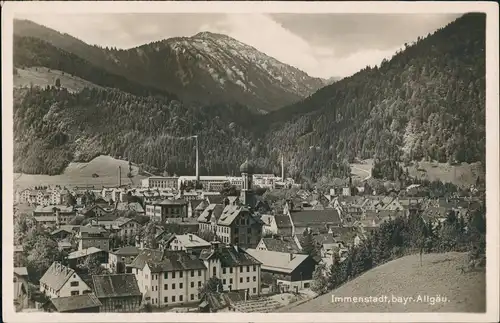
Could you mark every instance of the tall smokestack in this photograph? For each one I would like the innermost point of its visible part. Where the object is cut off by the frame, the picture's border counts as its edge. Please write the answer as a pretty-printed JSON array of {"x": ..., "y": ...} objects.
[
  {"x": 197, "y": 160},
  {"x": 282, "y": 168},
  {"x": 119, "y": 176}
]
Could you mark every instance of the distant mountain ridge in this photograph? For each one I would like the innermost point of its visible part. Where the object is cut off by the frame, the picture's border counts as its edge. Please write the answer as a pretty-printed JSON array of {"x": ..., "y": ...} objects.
[
  {"x": 426, "y": 103},
  {"x": 206, "y": 68}
]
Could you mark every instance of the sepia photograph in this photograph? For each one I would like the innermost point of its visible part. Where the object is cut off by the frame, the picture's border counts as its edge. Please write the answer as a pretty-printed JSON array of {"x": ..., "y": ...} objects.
[{"x": 279, "y": 161}]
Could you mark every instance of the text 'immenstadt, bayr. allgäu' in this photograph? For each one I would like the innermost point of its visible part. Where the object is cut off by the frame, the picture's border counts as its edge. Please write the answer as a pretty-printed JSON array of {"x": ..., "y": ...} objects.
[{"x": 429, "y": 299}]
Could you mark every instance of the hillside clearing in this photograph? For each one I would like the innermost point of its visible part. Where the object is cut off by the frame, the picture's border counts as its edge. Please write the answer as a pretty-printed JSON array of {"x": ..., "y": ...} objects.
[
  {"x": 462, "y": 175},
  {"x": 80, "y": 174},
  {"x": 42, "y": 76},
  {"x": 404, "y": 277}
]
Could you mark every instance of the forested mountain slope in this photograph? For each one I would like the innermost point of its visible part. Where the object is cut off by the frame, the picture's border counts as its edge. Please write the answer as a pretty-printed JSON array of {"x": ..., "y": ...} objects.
[
  {"x": 206, "y": 68},
  {"x": 428, "y": 101}
]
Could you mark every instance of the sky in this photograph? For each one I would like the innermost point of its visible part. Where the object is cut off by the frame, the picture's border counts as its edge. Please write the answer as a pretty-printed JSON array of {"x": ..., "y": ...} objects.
[{"x": 322, "y": 45}]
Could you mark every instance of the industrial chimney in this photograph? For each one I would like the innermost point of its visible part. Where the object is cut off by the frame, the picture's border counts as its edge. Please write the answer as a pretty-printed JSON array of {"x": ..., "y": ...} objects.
[
  {"x": 197, "y": 161},
  {"x": 282, "y": 168}
]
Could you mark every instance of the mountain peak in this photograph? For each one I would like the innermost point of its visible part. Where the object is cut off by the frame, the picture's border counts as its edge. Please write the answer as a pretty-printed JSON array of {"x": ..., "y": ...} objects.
[{"x": 209, "y": 34}]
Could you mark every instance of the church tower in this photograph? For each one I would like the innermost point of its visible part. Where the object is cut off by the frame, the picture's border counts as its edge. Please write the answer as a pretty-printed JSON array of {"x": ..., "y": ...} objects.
[{"x": 247, "y": 170}]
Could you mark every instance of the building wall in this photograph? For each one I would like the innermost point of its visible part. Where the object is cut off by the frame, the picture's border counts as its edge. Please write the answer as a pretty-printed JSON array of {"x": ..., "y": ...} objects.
[
  {"x": 120, "y": 304},
  {"x": 74, "y": 286},
  {"x": 165, "y": 288},
  {"x": 101, "y": 243}
]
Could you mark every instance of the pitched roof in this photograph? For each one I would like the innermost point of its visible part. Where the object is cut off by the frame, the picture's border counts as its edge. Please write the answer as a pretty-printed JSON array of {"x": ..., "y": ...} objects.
[
  {"x": 190, "y": 240},
  {"x": 83, "y": 252},
  {"x": 50, "y": 209},
  {"x": 216, "y": 199},
  {"x": 312, "y": 218},
  {"x": 21, "y": 271},
  {"x": 284, "y": 244},
  {"x": 56, "y": 276},
  {"x": 115, "y": 285},
  {"x": 229, "y": 256},
  {"x": 170, "y": 202},
  {"x": 127, "y": 251},
  {"x": 198, "y": 204},
  {"x": 166, "y": 260},
  {"x": 93, "y": 230},
  {"x": 213, "y": 210},
  {"x": 78, "y": 302},
  {"x": 126, "y": 206},
  {"x": 278, "y": 261}
]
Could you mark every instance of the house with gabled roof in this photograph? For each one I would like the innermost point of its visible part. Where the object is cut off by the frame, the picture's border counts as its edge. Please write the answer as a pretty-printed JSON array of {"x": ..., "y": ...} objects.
[
  {"x": 293, "y": 272},
  {"x": 117, "y": 292},
  {"x": 93, "y": 211},
  {"x": 62, "y": 281},
  {"x": 93, "y": 236},
  {"x": 279, "y": 244},
  {"x": 232, "y": 224},
  {"x": 315, "y": 220},
  {"x": 237, "y": 269},
  {"x": 196, "y": 207},
  {"x": 187, "y": 242},
  {"x": 168, "y": 277},
  {"x": 120, "y": 259}
]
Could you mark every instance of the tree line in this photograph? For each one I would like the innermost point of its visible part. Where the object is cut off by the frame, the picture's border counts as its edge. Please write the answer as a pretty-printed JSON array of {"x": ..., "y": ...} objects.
[
  {"x": 408, "y": 235},
  {"x": 427, "y": 102}
]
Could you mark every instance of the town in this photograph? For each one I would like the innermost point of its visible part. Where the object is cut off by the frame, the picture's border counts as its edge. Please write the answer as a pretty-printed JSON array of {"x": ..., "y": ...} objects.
[{"x": 209, "y": 243}]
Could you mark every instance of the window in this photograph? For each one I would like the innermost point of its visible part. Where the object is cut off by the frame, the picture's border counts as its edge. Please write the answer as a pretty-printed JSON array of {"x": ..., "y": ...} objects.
[
  {"x": 192, "y": 297},
  {"x": 199, "y": 273},
  {"x": 192, "y": 284},
  {"x": 230, "y": 280},
  {"x": 249, "y": 230},
  {"x": 248, "y": 279},
  {"x": 180, "y": 274},
  {"x": 165, "y": 299},
  {"x": 173, "y": 298},
  {"x": 224, "y": 281},
  {"x": 248, "y": 269},
  {"x": 231, "y": 270},
  {"x": 119, "y": 306},
  {"x": 199, "y": 284},
  {"x": 173, "y": 286},
  {"x": 241, "y": 269},
  {"x": 254, "y": 268},
  {"x": 180, "y": 298},
  {"x": 180, "y": 285},
  {"x": 192, "y": 273},
  {"x": 75, "y": 293},
  {"x": 254, "y": 290},
  {"x": 223, "y": 270},
  {"x": 241, "y": 279},
  {"x": 165, "y": 275},
  {"x": 173, "y": 274},
  {"x": 214, "y": 270},
  {"x": 74, "y": 284},
  {"x": 165, "y": 287},
  {"x": 254, "y": 278}
]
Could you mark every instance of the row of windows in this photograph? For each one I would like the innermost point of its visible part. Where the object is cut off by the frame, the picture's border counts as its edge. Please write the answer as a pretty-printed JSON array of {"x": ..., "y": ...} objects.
[
  {"x": 241, "y": 280},
  {"x": 173, "y": 274},
  {"x": 224, "y": 269},
  {"x": 181, "y": 285}
]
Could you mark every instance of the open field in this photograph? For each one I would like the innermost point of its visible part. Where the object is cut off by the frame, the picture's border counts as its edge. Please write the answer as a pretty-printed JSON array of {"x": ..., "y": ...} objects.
[
  {"x": 440, "y": 275},
  {"x": 80, "y": 174},
  {"x": 362, "y": 170},
  {"x": 462, "y": 175},
  {"x": 42, "y": 76}
]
